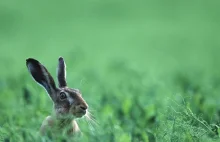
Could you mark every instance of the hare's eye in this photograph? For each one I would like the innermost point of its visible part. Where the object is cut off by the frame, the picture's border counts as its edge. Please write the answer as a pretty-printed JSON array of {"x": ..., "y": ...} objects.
[{"x": 62, "y": 96}]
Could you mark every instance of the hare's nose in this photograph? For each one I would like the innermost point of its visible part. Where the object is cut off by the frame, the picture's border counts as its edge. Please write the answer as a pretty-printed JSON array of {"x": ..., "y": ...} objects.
[{"x": 83, "y": 107}]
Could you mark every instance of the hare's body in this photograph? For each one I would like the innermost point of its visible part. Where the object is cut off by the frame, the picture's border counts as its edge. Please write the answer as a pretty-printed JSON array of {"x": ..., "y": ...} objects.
[{"x": 68, "y": 102}]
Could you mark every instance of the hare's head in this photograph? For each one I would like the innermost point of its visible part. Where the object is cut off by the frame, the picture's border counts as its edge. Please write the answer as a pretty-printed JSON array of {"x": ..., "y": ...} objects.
[{"x": 67, "y": 101}]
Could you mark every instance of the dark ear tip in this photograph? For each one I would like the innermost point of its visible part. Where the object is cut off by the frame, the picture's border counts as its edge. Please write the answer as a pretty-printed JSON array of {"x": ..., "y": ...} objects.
[
  {"x": 61, "y": 59},
  {"x": 31, "y": 60},
  {"x": 28, "y": 59}
]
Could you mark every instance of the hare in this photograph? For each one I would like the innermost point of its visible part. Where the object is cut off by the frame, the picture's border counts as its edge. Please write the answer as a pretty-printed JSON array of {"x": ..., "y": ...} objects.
[{"x": 68, "y": 103}]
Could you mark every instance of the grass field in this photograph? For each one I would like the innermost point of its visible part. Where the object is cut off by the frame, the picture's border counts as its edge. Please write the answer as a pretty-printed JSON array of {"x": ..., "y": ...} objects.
[{"x": 149, "y": 70}]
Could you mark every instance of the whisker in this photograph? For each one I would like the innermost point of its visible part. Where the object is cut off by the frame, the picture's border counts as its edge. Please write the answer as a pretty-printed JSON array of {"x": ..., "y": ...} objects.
[
  {"x": 90, "y": 126},
  {"x": 91, "y": 110},
  {"x": 91, "y": 121},
  {"x": 92, "y": 118}
]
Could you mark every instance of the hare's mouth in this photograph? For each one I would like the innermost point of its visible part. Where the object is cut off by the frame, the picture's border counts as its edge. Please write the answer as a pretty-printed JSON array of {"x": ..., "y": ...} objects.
[{"x": 80, "y": 114}]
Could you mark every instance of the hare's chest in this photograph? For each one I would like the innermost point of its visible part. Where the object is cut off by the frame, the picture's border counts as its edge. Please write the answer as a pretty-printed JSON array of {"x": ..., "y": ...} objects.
[{"x": 55, "y": 127}]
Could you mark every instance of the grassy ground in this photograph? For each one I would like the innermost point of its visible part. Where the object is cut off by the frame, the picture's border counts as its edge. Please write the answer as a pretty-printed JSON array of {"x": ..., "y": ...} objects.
[{"x": 149, "y": 70}]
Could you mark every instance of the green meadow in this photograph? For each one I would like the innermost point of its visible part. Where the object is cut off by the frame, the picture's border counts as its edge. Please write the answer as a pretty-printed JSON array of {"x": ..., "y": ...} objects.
[{"x": 149, "y": 70}]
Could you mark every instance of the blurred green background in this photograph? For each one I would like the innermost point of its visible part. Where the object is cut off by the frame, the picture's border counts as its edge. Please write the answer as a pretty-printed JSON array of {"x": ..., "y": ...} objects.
[{"x": 149, "y": 70}]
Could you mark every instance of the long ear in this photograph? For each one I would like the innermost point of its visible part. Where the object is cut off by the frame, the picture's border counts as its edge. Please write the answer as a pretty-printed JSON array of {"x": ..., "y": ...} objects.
[
  {"x": 61, "y": 73},
  {"x": 42, "y": 76}
]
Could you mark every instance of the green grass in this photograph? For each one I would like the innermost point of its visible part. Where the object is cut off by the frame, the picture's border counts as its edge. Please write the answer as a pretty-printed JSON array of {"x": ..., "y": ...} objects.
[{"x": 149, "y": 70}]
